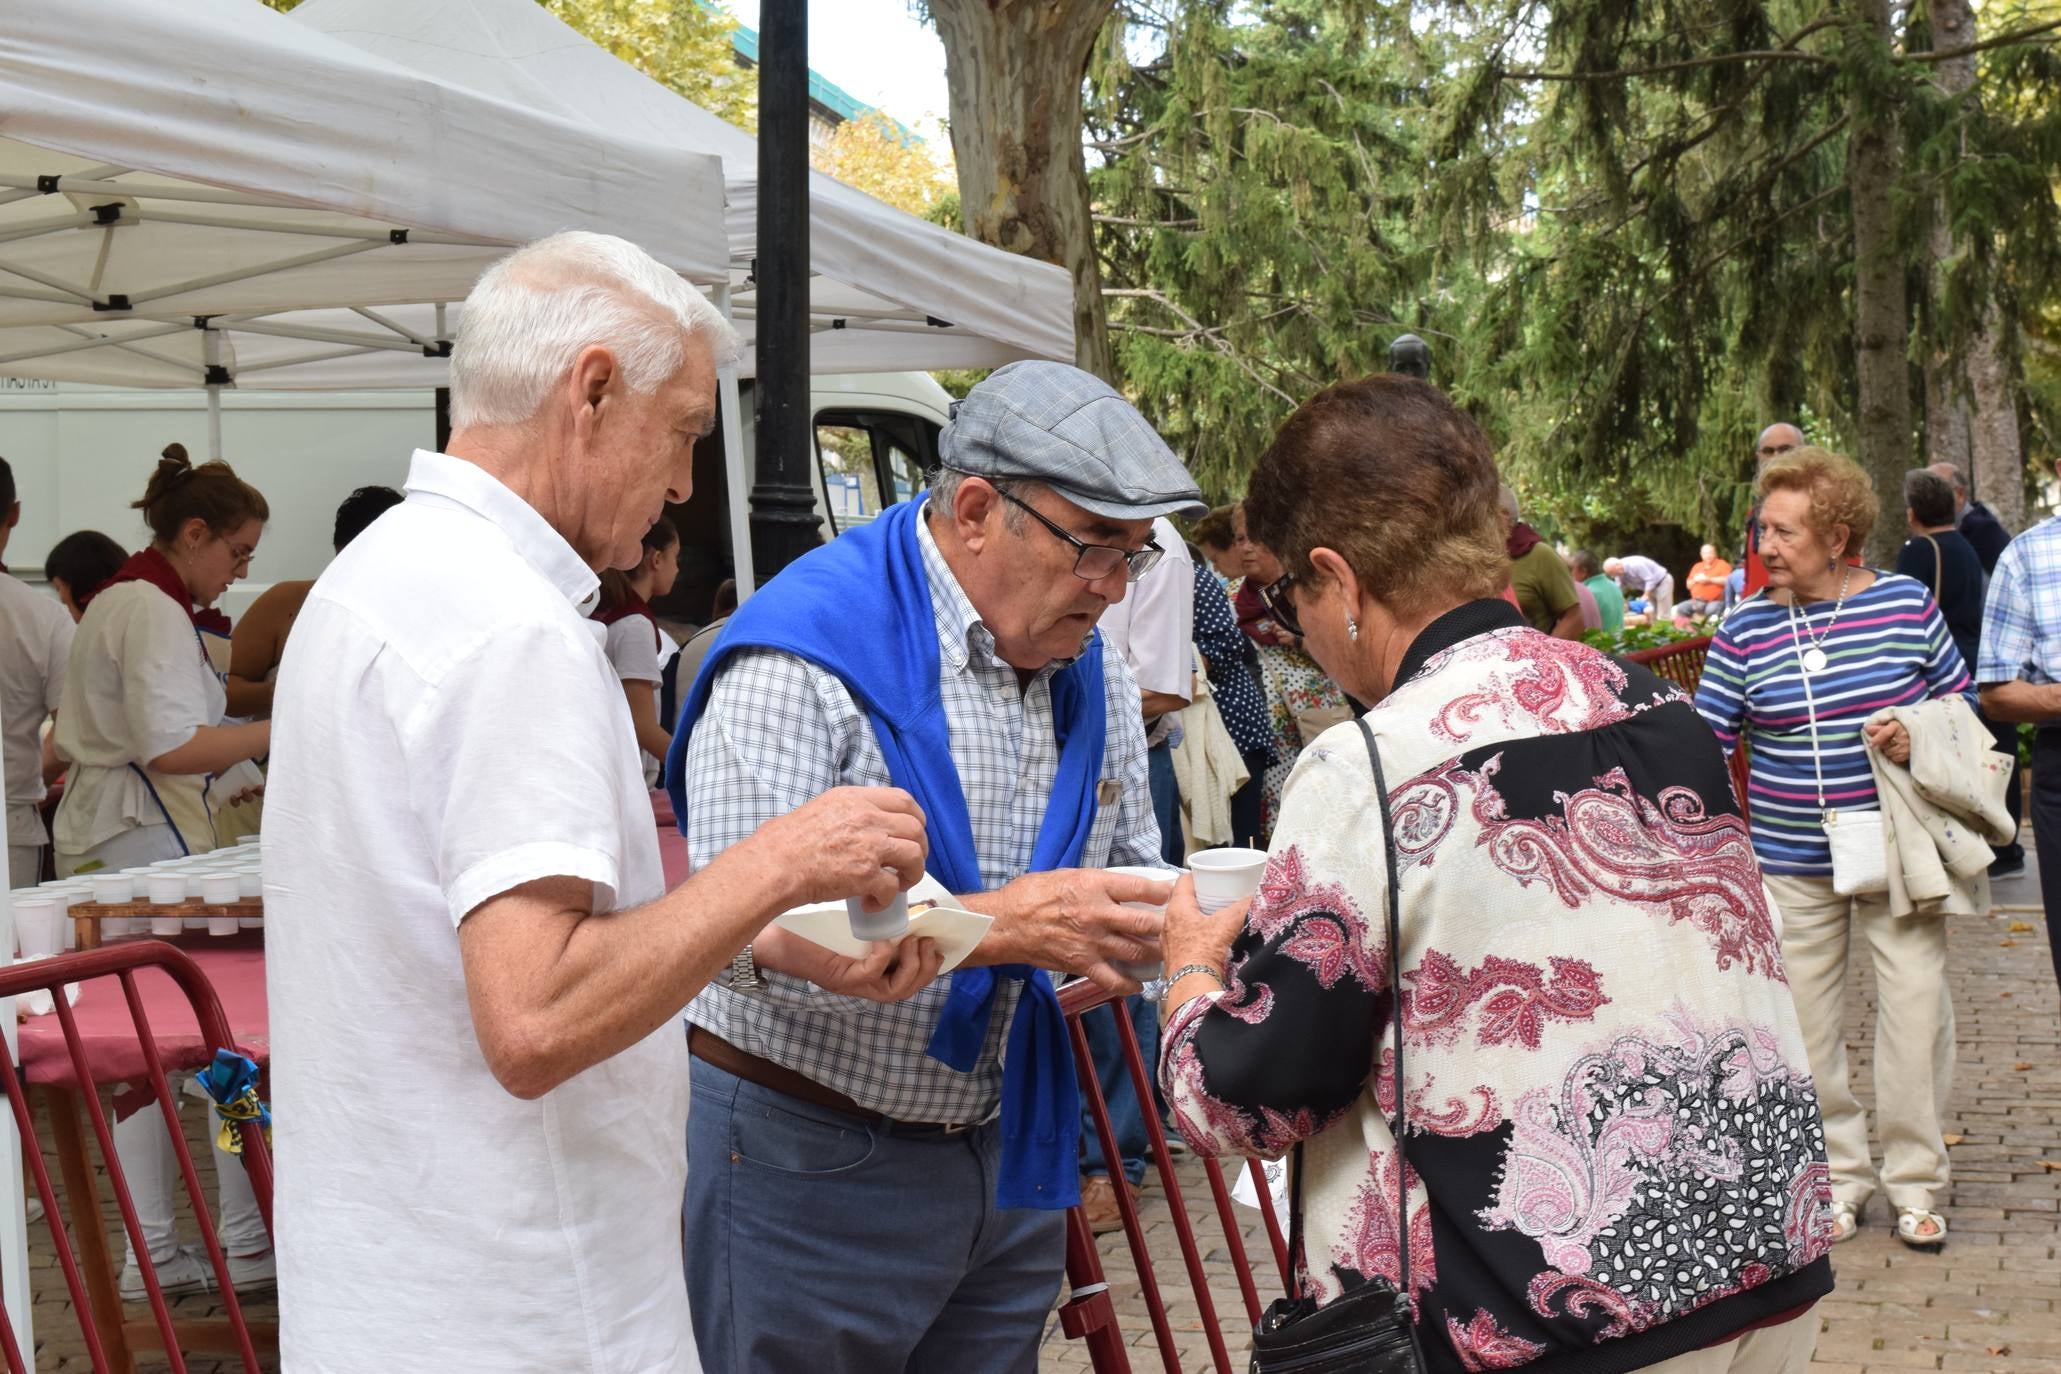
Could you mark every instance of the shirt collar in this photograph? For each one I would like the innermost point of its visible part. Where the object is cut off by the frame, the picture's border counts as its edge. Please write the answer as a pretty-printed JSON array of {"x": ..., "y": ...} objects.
[
  {"x": 1461, "y": 623},
  {"x": 467, "y": 485}
]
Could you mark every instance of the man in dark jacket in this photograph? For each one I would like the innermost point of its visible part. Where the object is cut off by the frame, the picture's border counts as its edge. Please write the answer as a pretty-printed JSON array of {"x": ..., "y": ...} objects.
[{"x": 1978, "y": 523}]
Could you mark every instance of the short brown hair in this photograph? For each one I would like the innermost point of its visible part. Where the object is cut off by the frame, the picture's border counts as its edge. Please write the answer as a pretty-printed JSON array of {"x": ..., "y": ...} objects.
[
  {"x": 211, "y": 493},
  {"x": 1218, "y": 529},
  {"x": 1391, "y": 474},
  {"x": 1839, "y": 490}
]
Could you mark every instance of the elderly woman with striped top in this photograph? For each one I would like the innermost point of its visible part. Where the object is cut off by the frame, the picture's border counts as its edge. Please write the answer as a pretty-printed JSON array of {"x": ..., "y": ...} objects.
[{"x": 1796, "y": 671}]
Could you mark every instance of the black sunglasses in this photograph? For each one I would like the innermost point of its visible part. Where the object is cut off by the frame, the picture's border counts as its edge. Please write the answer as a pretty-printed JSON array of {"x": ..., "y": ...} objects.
[
  {"x": 1275, "y": 597},
  {"x": 1093, "y": 562}
]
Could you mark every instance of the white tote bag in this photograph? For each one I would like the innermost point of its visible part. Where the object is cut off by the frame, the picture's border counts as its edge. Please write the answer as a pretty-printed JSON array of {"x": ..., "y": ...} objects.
[{"x": 1858, "y": 839}]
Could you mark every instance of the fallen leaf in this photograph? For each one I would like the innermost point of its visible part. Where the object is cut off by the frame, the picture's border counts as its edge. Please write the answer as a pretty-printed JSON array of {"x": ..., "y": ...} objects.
[
  {"x": 2007, "y": 944},
  {"x": 2052, "y": 1166},
  {"x": 1954, "y": 1139},
  {"x": 2022, "y": 1065},
  {"x": 2003, "y": 994},
  {"x": 2021, "y": 927},
  {"x": 1999, "y": 1349}
]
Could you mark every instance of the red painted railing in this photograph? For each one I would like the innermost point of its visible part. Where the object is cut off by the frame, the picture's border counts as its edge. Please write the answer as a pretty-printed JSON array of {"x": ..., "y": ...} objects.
[
  {"x": 121, "y": 961},
  {"x": 1088, "y": 1314}
]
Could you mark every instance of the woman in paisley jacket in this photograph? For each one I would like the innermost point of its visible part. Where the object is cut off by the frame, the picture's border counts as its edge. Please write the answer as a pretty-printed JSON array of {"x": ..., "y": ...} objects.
[{"x": 1615, "y": 1159}]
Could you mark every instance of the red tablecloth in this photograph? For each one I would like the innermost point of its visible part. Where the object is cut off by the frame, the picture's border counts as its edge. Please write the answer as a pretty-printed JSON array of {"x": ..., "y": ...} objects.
[{"x": 236, "y": 967}]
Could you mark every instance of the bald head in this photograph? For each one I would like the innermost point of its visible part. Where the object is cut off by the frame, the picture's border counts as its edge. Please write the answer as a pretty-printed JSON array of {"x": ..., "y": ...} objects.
[{"x": 1777, "y": 440}]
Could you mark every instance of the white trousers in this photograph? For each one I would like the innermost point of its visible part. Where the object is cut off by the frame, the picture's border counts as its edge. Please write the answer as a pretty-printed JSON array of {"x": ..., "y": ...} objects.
[
  {"x": 1664, "y": 600},
  {"x": 1914, "y": 1036},
  {"x": 142, "y": 1143},
  {"x": 1784, "y": 1349}
]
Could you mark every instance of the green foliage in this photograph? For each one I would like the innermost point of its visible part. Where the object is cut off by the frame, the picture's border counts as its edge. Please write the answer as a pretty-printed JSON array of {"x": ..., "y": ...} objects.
[
  {"x": 1623, "y": 273},
  {"x": 1633, "y": 638}
]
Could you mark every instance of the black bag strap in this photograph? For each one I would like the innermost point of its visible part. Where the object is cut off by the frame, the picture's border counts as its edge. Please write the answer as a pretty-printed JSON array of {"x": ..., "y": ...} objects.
[{"x": 1401, "y": 1121}]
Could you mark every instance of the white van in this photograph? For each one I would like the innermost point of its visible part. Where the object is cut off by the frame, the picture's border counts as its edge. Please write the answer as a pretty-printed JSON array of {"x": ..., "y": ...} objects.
[{"x": 81, "y": 454}]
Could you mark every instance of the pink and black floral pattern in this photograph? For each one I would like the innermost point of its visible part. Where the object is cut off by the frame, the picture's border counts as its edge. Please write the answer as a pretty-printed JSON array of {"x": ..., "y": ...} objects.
[{"x": 1609, "y": 1122}]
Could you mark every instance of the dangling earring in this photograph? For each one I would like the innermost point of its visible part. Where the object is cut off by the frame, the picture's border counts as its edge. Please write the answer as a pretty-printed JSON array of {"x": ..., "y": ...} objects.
[{"x": 1352, "y": 629}]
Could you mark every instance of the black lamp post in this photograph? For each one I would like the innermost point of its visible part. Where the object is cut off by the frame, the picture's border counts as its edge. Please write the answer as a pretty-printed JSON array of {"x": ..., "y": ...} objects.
[{"x": 783, "y": 500}]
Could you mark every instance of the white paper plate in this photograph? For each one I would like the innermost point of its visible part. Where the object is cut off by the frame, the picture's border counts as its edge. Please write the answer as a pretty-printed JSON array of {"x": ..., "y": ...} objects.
[{"x": 956, "y": 932}]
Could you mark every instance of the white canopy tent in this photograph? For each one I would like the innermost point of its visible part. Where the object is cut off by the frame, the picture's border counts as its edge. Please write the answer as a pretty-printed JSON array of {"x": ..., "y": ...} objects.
[
  {"x": 208, "y": 194},
  {"x": 889, "y": 291},
  {"x": 181, "y": 184}
]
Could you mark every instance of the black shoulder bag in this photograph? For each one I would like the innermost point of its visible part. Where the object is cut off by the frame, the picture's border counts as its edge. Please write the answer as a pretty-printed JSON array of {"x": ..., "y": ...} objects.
[{"x": 1368, "y": 1330}]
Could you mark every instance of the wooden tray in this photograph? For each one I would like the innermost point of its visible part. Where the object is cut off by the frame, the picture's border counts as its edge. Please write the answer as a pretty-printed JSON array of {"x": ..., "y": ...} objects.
[{"x": 87, "y": 916}]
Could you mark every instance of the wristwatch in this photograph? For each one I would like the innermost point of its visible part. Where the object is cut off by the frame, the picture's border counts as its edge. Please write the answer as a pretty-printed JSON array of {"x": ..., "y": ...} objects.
[{"x": 744, "y": 972}]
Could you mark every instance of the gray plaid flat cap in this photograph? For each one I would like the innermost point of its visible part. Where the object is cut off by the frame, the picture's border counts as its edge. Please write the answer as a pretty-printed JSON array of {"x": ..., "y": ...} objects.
[{"x": 1051, "y": 423}]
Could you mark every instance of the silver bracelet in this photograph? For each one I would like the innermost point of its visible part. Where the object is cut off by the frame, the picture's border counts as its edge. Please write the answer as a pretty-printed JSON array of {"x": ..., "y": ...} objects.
[{"x": 1208, "y": 971}]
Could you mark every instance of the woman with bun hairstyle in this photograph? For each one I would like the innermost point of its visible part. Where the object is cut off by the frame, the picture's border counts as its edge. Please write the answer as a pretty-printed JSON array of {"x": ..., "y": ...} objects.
[{"x": 140, "y": 721}]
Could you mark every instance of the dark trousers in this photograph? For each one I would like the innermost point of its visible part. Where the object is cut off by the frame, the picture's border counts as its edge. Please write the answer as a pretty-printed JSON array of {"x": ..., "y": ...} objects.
[
  {"x": 1245, "y": 803},
  {"x": 2046, "y": 832},
  {"x": 1166, "y": 802},
  {"x": 2005, "y": 733}
]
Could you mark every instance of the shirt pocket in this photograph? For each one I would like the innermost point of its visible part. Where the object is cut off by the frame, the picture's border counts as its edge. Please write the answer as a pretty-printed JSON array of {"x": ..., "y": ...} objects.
[{"x": 1102, "y": 835}]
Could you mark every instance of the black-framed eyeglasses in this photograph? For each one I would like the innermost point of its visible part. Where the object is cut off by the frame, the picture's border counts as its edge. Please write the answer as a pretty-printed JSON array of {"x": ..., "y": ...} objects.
[
  {"x": 1093, "y": 562},
  {"x": 1275, "y": 597}
]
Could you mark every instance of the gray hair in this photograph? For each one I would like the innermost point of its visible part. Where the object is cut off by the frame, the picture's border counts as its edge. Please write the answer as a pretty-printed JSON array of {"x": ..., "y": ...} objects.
[
  {"x": 1929, "y": 496},
  {"x": 532, "y": 313},
  {"x": 1951, "y": 472},
  {"x": 944, "y": 490},
  {"x": 1507, "y": 495}
]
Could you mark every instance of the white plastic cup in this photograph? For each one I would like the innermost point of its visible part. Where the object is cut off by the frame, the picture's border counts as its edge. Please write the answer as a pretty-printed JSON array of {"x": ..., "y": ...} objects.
[
  {"x": 1224, "y": 876},
  {"x": 1144, "y": 972},
  {"x": 250, "y": 883},
  {"x": 38, "y": 926},
  {"x": 220, "y": 889},
  {"x": 889, "y": 923},
  {"x": 243, "y": 840},
  {"x": 167, "y": 887},
  {"x": 113, "y": 889}
]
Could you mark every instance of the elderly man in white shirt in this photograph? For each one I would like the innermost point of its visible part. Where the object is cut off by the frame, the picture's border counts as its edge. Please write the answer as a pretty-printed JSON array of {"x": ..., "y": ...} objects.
[
  {"x": 1641, "y": 576},
  {"x": 35, "y": 639},
  {"x": 475, "y": 972}
]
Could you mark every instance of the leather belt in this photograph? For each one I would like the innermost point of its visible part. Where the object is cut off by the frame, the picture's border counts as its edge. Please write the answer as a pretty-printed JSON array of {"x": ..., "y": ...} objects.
[{"x": 711, "y": 1048}]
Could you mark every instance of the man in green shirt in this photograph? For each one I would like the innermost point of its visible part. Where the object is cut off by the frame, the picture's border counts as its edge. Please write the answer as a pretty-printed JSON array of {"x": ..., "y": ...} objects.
[
  {"x": 1545, "y": 591},
  {"x": 1609, "y": 596}
]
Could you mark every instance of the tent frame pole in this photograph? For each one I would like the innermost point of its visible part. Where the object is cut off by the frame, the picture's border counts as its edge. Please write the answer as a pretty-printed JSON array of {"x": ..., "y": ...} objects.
[{"x": 736, "y": 471}]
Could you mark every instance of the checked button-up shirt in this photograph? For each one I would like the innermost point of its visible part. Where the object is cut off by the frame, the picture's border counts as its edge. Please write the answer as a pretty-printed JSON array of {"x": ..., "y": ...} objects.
[
  {"x": 779, "y": 731},
  {"x": 2021, "y": 615}
]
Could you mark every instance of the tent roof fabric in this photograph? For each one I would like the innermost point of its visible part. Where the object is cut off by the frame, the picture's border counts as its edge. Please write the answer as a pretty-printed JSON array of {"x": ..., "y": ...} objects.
[
  {"x": 891, "y": 291},
  {"x": 176, "y": 181}
]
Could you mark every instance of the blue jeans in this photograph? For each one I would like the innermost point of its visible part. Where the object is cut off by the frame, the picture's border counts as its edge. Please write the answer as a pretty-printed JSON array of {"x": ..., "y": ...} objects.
[
  {"x": 817, "y": 1243},
  {"x": 1126, "y": 1118},
  {"x": 1166, "y": 802}
]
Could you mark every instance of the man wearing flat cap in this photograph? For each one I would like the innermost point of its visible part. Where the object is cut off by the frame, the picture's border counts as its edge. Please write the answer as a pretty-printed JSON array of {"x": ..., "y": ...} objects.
[{"x": 882, "y": 1187}]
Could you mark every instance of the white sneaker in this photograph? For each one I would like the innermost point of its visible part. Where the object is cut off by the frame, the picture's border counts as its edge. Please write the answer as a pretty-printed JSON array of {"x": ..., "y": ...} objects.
[
  {"x": 186, "y": 1272},
  {"x": 248, "y": 1272}
]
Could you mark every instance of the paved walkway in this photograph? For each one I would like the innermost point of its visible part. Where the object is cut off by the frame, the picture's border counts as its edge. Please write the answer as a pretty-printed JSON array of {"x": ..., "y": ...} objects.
[
  {"x": 1991, "y": 1301},
  {"x": 1987, "y": 1303}
]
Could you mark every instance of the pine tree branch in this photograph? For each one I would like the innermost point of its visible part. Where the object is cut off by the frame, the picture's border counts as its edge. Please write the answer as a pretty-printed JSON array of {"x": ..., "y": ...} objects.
[
  {"x": 1134, "y": 223},
  {"x": 2002, "y": 40},
  {"x": 1663, "y": 68},
  {"x": 1201, "y": 331}
]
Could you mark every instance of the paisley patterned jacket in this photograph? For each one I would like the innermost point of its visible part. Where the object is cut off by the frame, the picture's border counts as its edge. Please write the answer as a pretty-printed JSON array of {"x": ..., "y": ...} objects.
[{"x": 1615, "y": 1149}]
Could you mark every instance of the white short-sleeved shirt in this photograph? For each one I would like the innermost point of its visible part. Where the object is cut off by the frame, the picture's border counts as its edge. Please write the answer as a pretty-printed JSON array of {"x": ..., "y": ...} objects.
[
  {"x": 35, "y": 641},
  {"x": 446, "y": 728},
  {"x": 137, "y": 686}
]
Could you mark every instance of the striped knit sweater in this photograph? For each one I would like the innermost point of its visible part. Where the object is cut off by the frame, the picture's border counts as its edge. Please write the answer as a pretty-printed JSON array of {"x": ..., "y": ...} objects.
[{"x": 1889, "y": 647}]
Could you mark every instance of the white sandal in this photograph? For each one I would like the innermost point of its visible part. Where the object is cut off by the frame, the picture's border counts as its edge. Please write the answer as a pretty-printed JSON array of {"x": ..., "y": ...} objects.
[
  {"x": 1846, "y": 1221},
  {"x": 1908, "y": 1222}
]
